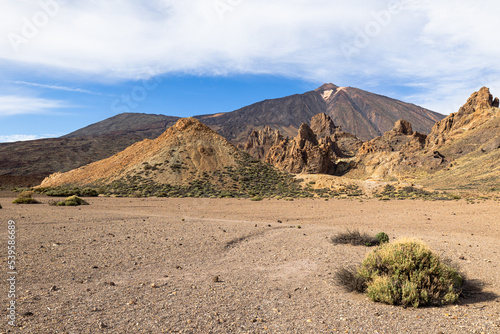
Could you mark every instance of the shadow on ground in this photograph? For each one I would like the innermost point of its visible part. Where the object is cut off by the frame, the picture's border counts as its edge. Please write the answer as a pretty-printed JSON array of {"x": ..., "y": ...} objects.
[{"x": 473, "y": 293}]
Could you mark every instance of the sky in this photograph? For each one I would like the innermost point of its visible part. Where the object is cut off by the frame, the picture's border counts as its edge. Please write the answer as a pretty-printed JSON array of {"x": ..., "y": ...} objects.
[{"x": 65, "y": 64}]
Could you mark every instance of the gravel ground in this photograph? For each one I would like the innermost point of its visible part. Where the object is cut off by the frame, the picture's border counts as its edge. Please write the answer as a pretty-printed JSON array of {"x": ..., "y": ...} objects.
[{"x": 123, "y": 265}]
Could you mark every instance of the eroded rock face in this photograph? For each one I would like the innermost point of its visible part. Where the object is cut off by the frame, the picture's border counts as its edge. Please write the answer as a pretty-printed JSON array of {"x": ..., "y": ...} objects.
[
  {"x": 182, "y": 153},
  {"x": 476, "y": 111},
  {"x": 303, "y": 154},
  {"x": 260, "y": 141},
  {"x": 400, "y": 138},
  {"x": 316, "y": 149},
  {"x": 402, "y": 127},
  {"x": 323, "y": 126}
]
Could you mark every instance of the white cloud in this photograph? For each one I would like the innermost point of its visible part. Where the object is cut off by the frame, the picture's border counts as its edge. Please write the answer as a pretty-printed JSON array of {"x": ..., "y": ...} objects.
[
  {"x": 14, "y": 138},
  {"x": 440, "y": 43},
  {"x": 11, "y": 105},
  {"x": 56, "y": 87}
]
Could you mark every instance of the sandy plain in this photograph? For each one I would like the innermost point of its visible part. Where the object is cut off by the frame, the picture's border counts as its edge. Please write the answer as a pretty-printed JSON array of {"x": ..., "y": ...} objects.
[{"x": 132, "y": 265}]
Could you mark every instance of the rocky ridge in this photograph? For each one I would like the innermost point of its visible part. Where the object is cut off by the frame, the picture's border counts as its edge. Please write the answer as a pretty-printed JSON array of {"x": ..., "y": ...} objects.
[
  {"x": 462, "y": 150},
  {"x": 464, "y": 143}
]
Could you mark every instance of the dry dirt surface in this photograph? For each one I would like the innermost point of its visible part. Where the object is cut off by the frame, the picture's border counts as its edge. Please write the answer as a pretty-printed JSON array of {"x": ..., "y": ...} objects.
[{"x": 130, "y": 265}]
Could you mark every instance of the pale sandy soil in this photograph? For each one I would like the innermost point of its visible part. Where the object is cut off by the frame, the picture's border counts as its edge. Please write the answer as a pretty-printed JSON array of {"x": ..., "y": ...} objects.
[{"x": 125, "y": 265}]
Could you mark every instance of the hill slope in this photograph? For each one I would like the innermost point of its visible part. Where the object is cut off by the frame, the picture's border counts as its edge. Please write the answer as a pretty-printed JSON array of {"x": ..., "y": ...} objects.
[
  {"x": 27, "y": 163},
  {"x": 143, "y": 125},
  {"x": 188, "y": 159},
  {"x": 186, "y": 150},
  {"x": 469, "y": 141}
]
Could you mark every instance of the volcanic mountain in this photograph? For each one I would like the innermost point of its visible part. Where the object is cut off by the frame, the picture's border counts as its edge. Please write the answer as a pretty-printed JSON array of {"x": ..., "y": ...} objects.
[
  {"x": 364, "y": 114},
  {"x": 358, "y": 112},
  {"x": 141, "y": 125},
  {"x": 27, "y": 163}
]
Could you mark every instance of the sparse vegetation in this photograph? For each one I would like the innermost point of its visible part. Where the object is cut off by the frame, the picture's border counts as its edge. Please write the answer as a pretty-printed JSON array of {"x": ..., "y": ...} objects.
[
  {"x": 389, "y": 192},
  {"x": 357, "y": 238},
  {"x": 25, "y": 197},
  {"x": 70, "y": 201},
  {"x": 250, "y": 178},
  {"x": 350, "y": 280},
  {"x": 65, "y": 191},
  {"x": 404, "y": 273}
]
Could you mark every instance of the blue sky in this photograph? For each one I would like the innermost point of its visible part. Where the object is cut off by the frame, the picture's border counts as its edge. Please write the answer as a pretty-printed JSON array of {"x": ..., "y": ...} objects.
[{"x": 65, "y": 64}]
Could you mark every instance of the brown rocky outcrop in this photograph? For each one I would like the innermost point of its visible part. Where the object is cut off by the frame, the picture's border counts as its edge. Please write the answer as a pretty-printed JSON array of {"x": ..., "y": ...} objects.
[
  {"x": 321, "y": 148},
  {"x": 400, "y": 138},
  {"x": 260, "y": 141},
  {"x": 402, "y": 127},
  {"x": 323, "y": 126},
  {"x": 304, "y": 153},
  {"x": 478, "y": 109}
]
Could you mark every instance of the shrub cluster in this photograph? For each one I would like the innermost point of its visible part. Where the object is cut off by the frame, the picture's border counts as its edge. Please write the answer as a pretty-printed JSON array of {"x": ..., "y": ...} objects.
[
  {"x": 357, "y": 238},
  {"x": 70, "y": 201},
  {"x": 404, "y": 273},
  {"x": 69, "y": 191},
  {"x": 409, "y": 192},
  {"x": 25, "y": 197}
]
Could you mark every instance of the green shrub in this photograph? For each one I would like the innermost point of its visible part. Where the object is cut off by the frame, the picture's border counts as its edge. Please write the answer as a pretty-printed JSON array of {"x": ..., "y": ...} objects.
[
  {"x": 66, "y": 191},
  {"x": 382, "y": 237},
  {"x": 407, "y": 273},
  {"x": 70, "y": 201},
  {"x": 25, "y": 197},
  {"x": 89, "y": 192},
  {"x": 256, "y": 198}
]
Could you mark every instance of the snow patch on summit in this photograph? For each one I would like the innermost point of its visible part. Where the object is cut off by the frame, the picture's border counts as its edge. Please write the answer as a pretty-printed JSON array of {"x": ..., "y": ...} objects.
[{"x": 326, "y": 94}]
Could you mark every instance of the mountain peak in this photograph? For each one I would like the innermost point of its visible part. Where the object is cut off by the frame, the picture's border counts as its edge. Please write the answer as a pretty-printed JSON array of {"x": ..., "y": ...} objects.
[
  {"x": 191, "y": 124},
  {"x": 326, "y": 86}
]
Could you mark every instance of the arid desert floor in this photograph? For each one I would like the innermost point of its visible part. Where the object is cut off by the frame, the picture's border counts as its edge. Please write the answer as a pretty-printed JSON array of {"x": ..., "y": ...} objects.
[{"x": 132, "y": 265}]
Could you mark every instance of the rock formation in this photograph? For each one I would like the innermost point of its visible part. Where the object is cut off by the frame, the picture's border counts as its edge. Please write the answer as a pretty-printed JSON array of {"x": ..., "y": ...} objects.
[
  {"x": 321, "y": 148},
  {"x": 260, "y": 141},
  {"x": 322, "y": 125},
  {"x": 400, "y": 138},
  {"x": 303, "y": 154},
  {"x": 478, "y": 109}
]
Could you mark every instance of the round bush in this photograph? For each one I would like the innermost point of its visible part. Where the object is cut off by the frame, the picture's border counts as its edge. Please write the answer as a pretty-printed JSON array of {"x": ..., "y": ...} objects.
[
  {"x": 72, "y": 201},
  {"x": 382, "y": 238},
  {"x": 25, "y": 197},
  {"x": 406, "y": 273}
]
